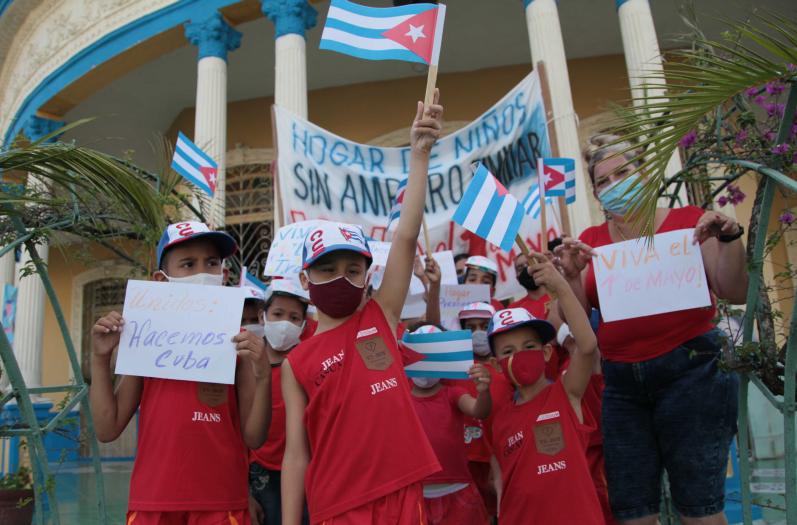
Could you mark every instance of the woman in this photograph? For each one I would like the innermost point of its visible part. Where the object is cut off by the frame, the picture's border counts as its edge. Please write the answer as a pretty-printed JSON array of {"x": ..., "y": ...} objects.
[{"x": 666, "y": 404}]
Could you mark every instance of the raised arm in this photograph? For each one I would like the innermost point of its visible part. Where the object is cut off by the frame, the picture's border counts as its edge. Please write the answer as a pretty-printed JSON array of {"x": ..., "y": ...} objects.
[
  {"x": 297, "y": 450},
  {"x": 572, "y": 258},
  {"x": 111, "y": 410},
  {"x": 478, "y": 407},
  {"x": 433, "y": 275},
  {"x": 395, "y": 283}
]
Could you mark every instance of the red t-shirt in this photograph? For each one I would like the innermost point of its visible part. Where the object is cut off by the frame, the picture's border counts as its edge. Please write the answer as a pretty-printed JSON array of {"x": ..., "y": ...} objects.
[
  {"x": 365, "y": 439},
  {"x": 310, "y": 326},
  {"x": 191, "y": 456},
  {"x": 643, "y": 338},
  {"x": 540, "y": 447},
  {"x": 498, "y": 305},
  {"x": 537, "y": 307},
  {"x": 443, "y": 421},
  {"x": 270, "y": 454}
]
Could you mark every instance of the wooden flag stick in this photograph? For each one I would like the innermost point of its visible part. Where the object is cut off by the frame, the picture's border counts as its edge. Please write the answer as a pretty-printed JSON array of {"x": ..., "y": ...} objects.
[
  {"x": 428, "y": 99},
  {"x": 426, "y": 238},
  {"x": 543, "y": 217},
  {"x": 523, "y": 248}
]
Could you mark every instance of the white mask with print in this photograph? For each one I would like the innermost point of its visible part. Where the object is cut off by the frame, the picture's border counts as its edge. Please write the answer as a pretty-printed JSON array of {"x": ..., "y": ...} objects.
[{"x": 282, "y": 335}]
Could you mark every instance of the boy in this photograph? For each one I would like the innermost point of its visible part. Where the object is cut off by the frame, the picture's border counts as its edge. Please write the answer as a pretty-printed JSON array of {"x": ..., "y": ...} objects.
[
  {"x": 363, "y": 453},
  {"x": 540, "y": 438},
  {"x": 481, "y": 270},
  {"x": 188, "y": 469},
  {"x": 451, "y": 496},
  {"x": 283, "y": 320}
]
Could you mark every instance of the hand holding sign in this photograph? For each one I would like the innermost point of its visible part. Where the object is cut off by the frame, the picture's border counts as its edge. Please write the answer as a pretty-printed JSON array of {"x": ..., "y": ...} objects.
[
  {"x": 105, "y": 334},
  {"x": 252, "y": 348}
]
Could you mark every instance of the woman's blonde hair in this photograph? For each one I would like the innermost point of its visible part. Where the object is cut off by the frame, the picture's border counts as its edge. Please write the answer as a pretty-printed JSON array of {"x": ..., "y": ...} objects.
[{"x": 603, "y": 145}]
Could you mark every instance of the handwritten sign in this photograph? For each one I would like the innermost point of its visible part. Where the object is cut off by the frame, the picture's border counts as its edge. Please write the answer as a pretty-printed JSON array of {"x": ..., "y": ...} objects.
[
  {"x": 636, "y": 280},
  {"x": 453, "y": 298},
  {"x": 285, "y": 253},
  {"x": 180, "y": 331}
]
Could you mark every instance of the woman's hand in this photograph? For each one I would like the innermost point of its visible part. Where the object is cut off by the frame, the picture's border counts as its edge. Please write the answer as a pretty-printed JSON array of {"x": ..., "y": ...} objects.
[
  {"x": 713, "y": 224},
  {"x": 427, "y": 126},
  {"x": 572, "y": 256}
]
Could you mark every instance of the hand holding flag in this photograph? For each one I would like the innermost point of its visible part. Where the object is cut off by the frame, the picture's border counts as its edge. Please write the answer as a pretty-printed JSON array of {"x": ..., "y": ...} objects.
[{"x": 442, "y": 354}]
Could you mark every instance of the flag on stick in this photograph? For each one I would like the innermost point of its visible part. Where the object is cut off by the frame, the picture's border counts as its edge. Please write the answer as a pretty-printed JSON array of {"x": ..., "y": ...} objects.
[
  {"x": 560, "y": 177},
  {"x": 395, "y": 211},
  {"x": 489, "y": 210},
  {"x": 411, "y": 33},
  {"x": 194, "y": 165},
  {"x": 444, "y": 354},
  {"x": 531, "y": 202}
]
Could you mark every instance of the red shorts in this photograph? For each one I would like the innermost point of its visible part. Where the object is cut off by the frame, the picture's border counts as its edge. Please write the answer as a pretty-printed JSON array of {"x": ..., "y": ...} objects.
[
  {"x": 403, "y": 507},
  {"x": 195, "y": 517},
  {"x": 463, "y": 507},
  {"x": 480, "y": 471}
]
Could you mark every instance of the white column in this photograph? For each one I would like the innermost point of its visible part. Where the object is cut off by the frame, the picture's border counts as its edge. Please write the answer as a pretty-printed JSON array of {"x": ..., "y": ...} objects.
[
  {"x": 643, "y": 58},
  {"x": 215, "y": 38},
  {"x": 291, "y": 19},
  {"x": 545, "y": 38},
  {"x": 29, "y": 327},
  {"x": 7, "y": 264}
]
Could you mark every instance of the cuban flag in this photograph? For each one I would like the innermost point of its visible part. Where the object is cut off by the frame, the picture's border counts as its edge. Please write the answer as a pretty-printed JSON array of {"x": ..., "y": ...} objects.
[
  {"x": 194, "y": 165},
  {"x": 489, "y": 210},
  {"x": 395, "y": 211},
  {"x": 447, "y": 355},
  {"x": 252, "y": 281},
  {"x": 560, "y": 177},
  {"x": 412, "y": 33},
  {"x": 531, "y": 202}
]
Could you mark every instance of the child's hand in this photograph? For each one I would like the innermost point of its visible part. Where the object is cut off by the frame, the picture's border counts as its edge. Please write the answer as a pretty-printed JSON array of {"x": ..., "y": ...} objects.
[
  {"x": 105, "y": 334},
  {"x": 479, "y": 374},
  {"x": 427, "y": 126},
  {"x": 253, "y": 348},
  {"x": 419, "y": 271},
  {"x": 432, "y": 270},
  {"x": 545, "y": 274},
  {"x": 572, "y": 257}
]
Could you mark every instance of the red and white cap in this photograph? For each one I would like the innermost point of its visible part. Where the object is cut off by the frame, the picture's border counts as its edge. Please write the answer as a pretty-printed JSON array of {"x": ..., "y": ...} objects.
[
  {"x": 482, "y": 263},
  {"x": 511, "y": 318},
  {"x": 477, "y": 311},
  {"x": 427, "y": 329},
  {"x": 328, "y": 237},
  {"x": 287, "y": 288},
  {"x": 252, "y": 293},
  {"x": 189, "y": 230}
]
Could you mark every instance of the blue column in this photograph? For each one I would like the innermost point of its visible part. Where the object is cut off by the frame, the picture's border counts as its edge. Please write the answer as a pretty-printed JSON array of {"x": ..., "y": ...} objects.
[
  {"x": 290, "y": 16},
  {"x": 37, "y": 127},
  {"x": 213, "y": 36}
]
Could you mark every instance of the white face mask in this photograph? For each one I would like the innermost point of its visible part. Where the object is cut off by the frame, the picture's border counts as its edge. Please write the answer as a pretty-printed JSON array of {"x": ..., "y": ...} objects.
[
  {"x": 207, "y": 279},
  {"x": 282, "y": 335},
  {"x": 425, "y": 382},
  {"x": 256, "y": 329},
  {"x": 481, "y": 346}
]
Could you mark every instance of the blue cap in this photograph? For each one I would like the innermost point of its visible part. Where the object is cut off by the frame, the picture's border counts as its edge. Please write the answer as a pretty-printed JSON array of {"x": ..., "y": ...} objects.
[{"x": 189, "y": 230}]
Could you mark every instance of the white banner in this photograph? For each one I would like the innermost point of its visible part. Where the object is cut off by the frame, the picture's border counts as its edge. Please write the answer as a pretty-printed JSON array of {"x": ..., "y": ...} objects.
[{"x": 324, "y": 176}]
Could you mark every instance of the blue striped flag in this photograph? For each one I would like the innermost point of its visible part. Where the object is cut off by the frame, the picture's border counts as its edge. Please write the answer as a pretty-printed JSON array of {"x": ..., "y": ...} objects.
[
  {"x": 445, "y": 354},
  {"x": 560, "y": 177},
  {"x": 531, "y": 202},
  {"x": 194, "y": 165},
  {"x": 395, "y": 211},
  {"x": 489, "y": 210},
  {"x": 411, "y": 33}
]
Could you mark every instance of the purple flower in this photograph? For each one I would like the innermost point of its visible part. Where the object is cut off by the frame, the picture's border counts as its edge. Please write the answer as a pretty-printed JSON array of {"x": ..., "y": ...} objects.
[
  {"x": 780, "y": 149},
  {"x": 786, "y": 218},
  {"x": 735, "y": 194},
  {"x": 760, "y": 100},
  {"x": 774, "y": 109},
  {"x": 791, "y": 67},
  {"x": 751, "y": 92},
  {"x": 774, "y": 88},
  {"x": 741, "y": 136},
  {"x": 722, "y": 201},
  {"x": 769, "y": 136},
  {"x": 688, "y": 140}
]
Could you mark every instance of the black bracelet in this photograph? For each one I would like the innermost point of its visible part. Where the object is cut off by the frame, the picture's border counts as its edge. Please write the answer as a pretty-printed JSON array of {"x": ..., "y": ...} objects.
[{"x": 733, "y": 237}]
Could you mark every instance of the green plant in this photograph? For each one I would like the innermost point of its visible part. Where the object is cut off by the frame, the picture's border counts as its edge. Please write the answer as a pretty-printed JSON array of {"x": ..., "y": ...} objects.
[{"x": 21, "y": 479}]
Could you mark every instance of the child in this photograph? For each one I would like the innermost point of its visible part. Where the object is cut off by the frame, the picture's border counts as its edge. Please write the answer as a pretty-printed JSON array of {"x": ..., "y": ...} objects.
[
  {"x": 481, "y": 270},
  {"x": 451, "y": 496},
  {"x": 190, "y": 464},
  {"x": 284, "y": 319},
  {"x": 540, "y": 438},
  {"x": 363, "y": 453}
]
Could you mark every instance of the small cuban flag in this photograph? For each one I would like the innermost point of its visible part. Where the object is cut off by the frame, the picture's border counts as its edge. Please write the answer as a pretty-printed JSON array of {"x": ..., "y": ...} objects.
[
  {"x": 395, "y": 211},
  {"x": 412, "y": 33},
  {"x": 489, "y": 210},
  {"x": 447, "y": 355},
  {"x": 531, "y": 202},
  {"x": 194, "y": 165},
  {"x": 560, "y": 177}
]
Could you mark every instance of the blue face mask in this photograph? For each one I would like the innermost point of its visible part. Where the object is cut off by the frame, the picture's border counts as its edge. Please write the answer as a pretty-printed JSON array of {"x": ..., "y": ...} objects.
[{"x": 616, "y": 198}]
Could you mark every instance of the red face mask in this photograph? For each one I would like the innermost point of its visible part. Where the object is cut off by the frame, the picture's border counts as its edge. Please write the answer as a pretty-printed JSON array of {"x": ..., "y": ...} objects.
[
  {"x": 336, "y": 298},
  {"x": 524, "y": 368}
]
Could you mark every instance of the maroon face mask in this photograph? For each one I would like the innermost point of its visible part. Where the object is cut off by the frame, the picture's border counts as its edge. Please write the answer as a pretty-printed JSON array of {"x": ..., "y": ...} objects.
[
  {"x": 524, "y": 368},
  {"x": 336, "y": 298}
]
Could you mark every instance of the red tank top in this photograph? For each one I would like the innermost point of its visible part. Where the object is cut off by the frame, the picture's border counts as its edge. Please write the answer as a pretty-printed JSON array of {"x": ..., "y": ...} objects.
[
  {"x": 191, "y": 455},
  {"x": 365, "y": 439},
  {"x": 540, "y": 446},
  {"x": 643, "y": 338},
  {"x": 537, "y": 307},
  {"x": 443, "y": 422},
  {"x": 270, "y": 454}
]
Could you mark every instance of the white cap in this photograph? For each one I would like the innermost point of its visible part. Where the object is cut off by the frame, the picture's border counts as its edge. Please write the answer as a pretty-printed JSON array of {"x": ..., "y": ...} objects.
[
  {"x": 482, "y": 263},
  {"x": 477, "y": 311},
  {"x": 286, "y": 287},
  {"x": 328, "y": 237}
]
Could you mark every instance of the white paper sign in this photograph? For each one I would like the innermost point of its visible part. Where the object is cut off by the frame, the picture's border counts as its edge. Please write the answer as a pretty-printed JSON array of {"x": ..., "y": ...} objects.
[
  {"x": 414, "y": 307},
  {"x": 453, "y": 298},
  {"x": 285, "y": 253},
  {"x": 635, "y": 280},
  {"x": 448, "y": 271},
  {"x": 379, "y": 252},
  {"x": 180, "y": 331}
]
